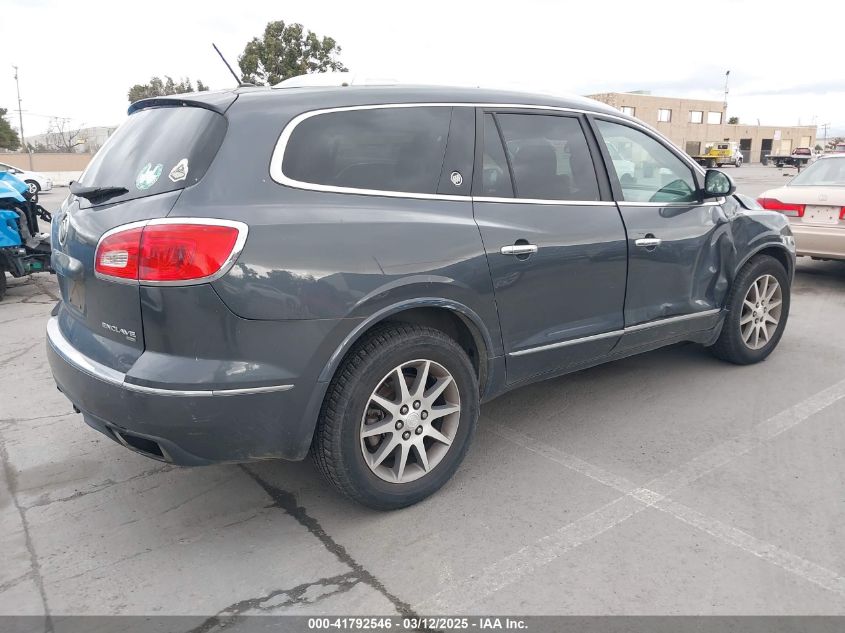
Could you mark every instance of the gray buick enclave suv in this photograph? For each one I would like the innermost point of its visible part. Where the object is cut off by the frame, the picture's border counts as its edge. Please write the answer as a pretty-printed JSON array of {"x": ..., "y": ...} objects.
[{"x": 259, "y": 273}]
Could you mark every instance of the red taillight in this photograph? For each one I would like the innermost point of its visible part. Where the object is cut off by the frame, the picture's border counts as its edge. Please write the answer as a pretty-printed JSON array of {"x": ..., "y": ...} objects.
[
  {"x": 773, "y": 204},
  {"x": 842, "y": 213},
  {"x": 169, "y": 252},
  {"x": 184, "y": 252},
  {"x": 117, "y": 253}
]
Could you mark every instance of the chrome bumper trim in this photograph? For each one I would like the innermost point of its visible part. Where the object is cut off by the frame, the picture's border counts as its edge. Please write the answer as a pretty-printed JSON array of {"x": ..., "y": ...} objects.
[{"x": 74, "y": 357}]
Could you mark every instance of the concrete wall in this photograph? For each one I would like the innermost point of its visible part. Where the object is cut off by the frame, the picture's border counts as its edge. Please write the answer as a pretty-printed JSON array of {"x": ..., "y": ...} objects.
[
  {"x": 62, "y": 168},
  {"x": 45, "y": 162},
  {"x": 693, "y": 137}
]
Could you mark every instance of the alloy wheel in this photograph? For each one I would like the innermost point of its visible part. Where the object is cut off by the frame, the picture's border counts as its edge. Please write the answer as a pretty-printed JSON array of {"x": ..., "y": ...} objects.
[
  {"x": 410, "y": 421},
  {"x": 761, "y": 312}
]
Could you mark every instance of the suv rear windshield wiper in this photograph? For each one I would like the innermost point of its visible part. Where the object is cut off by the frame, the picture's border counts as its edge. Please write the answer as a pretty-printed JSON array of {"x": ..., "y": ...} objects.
[{"x": 96, "y": 193}]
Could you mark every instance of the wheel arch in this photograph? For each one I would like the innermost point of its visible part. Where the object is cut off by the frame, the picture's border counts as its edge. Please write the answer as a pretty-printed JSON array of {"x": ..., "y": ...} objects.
[
  {"x": 427, "y": 311},
  {"x": 451, "y": 317},
  {"x": 775, "y": 250}
]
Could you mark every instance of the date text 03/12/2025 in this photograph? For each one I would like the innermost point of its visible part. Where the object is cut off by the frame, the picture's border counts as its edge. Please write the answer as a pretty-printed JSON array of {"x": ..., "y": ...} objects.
[{"x": 416, "y": 623}]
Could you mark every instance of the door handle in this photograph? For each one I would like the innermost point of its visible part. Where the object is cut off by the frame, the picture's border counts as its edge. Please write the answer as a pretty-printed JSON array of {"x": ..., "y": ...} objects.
[
  {"x": 519, "y": 249},
  {"x": 649, "y": 242}
]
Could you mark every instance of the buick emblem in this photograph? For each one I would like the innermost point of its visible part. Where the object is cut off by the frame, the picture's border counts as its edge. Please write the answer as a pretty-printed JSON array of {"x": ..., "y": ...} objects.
[
  {"x": 63, "y": 227},
  {"x": 456, "y": 178}
]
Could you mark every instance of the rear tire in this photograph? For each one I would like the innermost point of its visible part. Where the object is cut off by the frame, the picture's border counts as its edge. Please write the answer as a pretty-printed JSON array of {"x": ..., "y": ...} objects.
[
  {"x": 2, "y": 284},
  {"x": 365, "y": 396},
  {"x": 757, "y": 311}
]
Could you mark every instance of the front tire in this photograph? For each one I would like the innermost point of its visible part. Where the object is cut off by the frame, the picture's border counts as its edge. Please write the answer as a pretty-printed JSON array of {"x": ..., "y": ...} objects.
[
  {"x": 398, "y": 417},
  {"x": 34, "y": 189},
  {"x": 758, "y": 308}
]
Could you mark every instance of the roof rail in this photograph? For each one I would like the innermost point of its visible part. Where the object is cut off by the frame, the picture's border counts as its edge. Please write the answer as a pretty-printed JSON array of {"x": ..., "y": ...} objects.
[{"x": 333, "y": 79}]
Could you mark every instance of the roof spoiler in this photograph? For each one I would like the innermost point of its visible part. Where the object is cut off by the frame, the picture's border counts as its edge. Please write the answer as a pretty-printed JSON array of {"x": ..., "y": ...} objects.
[{"x": 218, "y": 101}]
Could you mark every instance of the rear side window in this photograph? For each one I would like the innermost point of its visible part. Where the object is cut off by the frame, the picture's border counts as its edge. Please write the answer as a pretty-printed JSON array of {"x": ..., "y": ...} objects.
[
  {"x": 549, "y": 157},
  {"x": 383, "y": 149},
  {"x": 157, "y": 150}
]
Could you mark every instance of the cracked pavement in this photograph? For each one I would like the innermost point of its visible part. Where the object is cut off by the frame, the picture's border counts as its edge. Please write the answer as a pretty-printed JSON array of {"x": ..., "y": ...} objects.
[{"x": 667, "y": 483}]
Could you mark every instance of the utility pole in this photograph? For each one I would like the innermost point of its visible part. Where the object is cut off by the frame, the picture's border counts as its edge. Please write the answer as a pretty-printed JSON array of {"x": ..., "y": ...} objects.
[
  {"x": 824, "y": 126},
  {"x": 727, "y": 74},
  {"x": 20, "y": 116}
]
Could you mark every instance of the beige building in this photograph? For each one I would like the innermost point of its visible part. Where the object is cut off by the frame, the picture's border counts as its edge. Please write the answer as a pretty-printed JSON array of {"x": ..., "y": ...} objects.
[{"x": 693, "y": 123}]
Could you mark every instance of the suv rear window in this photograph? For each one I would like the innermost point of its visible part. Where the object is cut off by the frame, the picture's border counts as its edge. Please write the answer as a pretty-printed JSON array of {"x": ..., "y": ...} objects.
[
  {"x": 384, "y": 149},
  {"x": 157, "y": 150}
]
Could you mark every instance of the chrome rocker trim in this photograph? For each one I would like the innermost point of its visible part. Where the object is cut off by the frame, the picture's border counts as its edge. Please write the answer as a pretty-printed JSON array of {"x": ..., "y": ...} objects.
[{"x": 627, "y": 330}]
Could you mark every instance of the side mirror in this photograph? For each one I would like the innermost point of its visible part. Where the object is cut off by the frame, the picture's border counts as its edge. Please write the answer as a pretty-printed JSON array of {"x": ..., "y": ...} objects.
[{"x": 717, "y": 184}]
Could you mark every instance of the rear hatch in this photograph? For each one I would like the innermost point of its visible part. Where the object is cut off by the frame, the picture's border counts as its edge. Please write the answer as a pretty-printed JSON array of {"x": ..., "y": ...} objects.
[{"x": 138, "y": 175}]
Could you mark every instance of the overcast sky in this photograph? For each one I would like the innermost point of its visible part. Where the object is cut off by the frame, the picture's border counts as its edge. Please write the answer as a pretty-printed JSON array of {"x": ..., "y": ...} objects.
[{"x": 78, "y": 58}]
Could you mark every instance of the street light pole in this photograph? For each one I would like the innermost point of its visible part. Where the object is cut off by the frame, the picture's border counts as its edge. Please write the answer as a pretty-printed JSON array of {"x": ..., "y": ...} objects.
[
  {"x": 725, "y": 103},
  {"x": 20, "y": 116}
]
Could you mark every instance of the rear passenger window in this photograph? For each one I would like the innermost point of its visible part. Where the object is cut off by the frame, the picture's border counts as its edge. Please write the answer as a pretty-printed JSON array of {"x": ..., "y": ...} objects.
[
  {"x": 387, "y": 149},
  {"x": 549, "y": 157}
]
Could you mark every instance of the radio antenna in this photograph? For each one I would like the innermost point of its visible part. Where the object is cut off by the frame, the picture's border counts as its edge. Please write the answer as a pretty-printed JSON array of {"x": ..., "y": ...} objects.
[{"x": 237, "y": 79}]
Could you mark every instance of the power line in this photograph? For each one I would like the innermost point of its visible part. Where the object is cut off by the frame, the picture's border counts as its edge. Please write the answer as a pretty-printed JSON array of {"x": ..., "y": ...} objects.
[{"x": 825, "y": 127}]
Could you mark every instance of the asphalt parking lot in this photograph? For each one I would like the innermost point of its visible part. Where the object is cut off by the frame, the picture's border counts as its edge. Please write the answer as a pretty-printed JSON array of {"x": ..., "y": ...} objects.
[{"x": 668, "y": 483}]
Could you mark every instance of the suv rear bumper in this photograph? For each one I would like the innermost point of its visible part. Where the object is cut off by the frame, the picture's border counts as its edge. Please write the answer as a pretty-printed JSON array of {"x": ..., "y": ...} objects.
[{"x": 178, "y": 426}]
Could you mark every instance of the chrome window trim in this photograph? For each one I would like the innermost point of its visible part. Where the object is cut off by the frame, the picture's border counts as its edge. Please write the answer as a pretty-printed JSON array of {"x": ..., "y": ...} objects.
[
  {"x": 101, "y": 372},
  {"x": 277, "y": 157},
  {"x": 708, "y": 203},
  {"x": 243, "y": 233},
  {"x": 626, "y": 330},
  {"x": 571, "y": 203}
]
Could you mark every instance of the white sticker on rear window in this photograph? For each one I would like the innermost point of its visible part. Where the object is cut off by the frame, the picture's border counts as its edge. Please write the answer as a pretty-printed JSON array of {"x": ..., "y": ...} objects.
[
  {"x": 148, "y": 176},
  {"x": 179, "y": 171}
]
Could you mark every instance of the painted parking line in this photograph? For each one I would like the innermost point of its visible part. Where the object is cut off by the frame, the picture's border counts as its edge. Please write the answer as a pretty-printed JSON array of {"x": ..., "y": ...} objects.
[
  {"x": 459, "y": 597},
  {"x": 741, "y": 444},
  {"x": 473, "y": 589},
  {"x": 794, "y": 564}
]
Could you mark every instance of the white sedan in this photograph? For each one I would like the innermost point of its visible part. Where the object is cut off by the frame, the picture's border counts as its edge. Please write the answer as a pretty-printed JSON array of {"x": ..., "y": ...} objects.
[
  {"x": 814, "y": 202},
  {"x": 37, "y": 182}
]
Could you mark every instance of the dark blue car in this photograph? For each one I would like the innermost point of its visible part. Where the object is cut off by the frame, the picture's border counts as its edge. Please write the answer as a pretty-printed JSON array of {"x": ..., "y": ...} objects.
[{"x": 263, "y": 273}]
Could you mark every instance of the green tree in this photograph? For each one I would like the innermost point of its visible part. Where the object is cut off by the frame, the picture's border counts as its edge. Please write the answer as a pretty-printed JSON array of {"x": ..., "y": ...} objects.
[
  {"x": 734, "y": 120},
  {"x": 287, "y": 50},
  {"x": 9, "y": 138},
  {"x": 159, "y": 87}
]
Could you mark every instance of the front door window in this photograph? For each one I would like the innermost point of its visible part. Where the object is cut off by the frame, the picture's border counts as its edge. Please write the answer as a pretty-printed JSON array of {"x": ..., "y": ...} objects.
[{"x": 646, "y": 170}]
